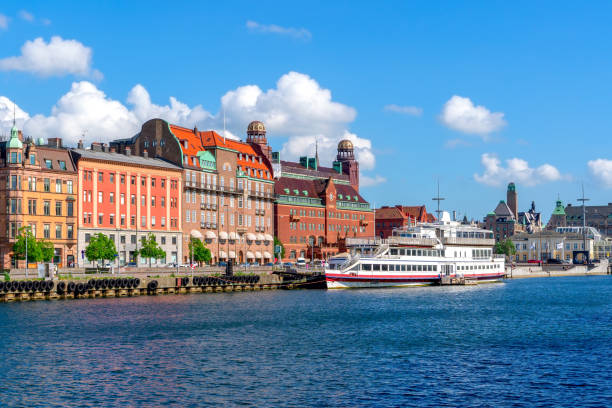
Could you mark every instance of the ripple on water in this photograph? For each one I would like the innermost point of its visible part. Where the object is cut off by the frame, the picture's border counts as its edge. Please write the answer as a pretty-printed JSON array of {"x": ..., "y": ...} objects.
[{"x": 537, "y": 342}]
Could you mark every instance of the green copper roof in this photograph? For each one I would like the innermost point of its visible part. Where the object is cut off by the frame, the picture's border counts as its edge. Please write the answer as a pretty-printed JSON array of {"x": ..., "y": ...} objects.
[
  {"x": 14, "y": 142},
  {"x": 559, "y": 209},
  {"x": 511, "y": 187}
]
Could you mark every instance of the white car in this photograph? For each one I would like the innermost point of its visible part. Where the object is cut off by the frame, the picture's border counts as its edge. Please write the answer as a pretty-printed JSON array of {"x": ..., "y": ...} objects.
[{"x": 300, "y": 263}]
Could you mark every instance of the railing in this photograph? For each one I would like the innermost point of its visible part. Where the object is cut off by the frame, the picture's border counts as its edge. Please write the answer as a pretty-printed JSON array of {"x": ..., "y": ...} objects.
[{"x": 391, "y": 240}]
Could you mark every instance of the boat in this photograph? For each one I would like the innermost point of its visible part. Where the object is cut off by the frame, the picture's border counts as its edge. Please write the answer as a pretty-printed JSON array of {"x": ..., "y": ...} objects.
[{"x": 440, "y": 252}]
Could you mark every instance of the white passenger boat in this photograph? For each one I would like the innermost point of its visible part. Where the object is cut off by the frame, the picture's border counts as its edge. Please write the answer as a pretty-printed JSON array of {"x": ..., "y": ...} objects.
[{"x": 424, "y": 254}]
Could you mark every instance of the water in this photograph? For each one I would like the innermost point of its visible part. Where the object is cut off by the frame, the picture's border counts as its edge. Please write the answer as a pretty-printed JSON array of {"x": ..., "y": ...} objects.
[{"x": 531, "y": 342}]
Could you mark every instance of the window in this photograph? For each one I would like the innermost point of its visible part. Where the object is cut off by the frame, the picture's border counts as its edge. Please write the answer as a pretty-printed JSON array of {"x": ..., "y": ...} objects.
[
  {"x": 122, "y": 239},
  {"x": 173, "y": 240},
  {"x": 152, "y": 201},
  {"x": 111, "y": 177},
  {"x": 122, "y": 178},
  {"x": 132, "y": 239},
  {"x": 47, "y": 185},
  {"x": 48, "y": 164},
  {"x": 142, "y": 181},
  {"x": 100, "y": 176},
  {"x": 32, "y": 158},
  {"x": 122, "y": 219},
  {"x": 152, "y": 182},
  {"x": 133, "y": 199},
  {"x": 87, "y": 237},
  {"x": 112, "y": 197},
  {"x": 163, "y": 240},
  {"x": 69, "y": 189},
  {"x": 62, "y": 165},
  {"x": 100, "y": 196},
  {"x": 58, "y": 208},
  {"x": 143, "y": 221},
  {"x": 112, "y": 219},
  {"x": 122, "y": 199},
  {"x": 58, "y": 231},
  {"x": 47, "y": 231},
  {"x": 47, "y": 208},
  {"x": 163, "y": 202},
  {"x": 143, "y": 200},
  {"x": 153, "y": 221},
  {"x": 32, "y": 207},
  {"x": 133, "y": 180},
  {"x": 100, "y": 219},
  {"x": 163, "y": 221},
  {"x": 132, "y": 220}
]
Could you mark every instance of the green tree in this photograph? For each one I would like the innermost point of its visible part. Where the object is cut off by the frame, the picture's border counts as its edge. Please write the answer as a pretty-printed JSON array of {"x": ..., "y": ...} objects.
[
  {"x": 199, "y": 251},
  {"x": 100, "y": 248},
  {"x": 46, "y": 250},
  {"x": 282, "y": 247},
  {"x": 505, "y": 247},
  {"x": 150, "y": 249},
  {"x": 34, "y": 248}
]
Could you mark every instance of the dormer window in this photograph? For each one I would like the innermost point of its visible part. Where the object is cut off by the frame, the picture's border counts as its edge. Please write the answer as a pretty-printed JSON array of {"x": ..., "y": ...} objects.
[
  {"x": 48, "y": 164},
  {"x": 32, "y": 158},
  {"x": 185, "y": 144},
  {"x": 62, "y": 165}
]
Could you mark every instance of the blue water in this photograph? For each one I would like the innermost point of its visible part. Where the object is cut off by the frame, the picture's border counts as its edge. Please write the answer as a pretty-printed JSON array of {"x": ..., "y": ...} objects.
[{"x": 532, "y": 342}]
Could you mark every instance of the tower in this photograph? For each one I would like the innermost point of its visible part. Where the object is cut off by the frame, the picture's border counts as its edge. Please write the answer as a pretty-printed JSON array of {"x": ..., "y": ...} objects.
[
  {"x": 350, "y": 166},
  {"x": 512, "y": 200},
  {"x": 256, "y": 134}
]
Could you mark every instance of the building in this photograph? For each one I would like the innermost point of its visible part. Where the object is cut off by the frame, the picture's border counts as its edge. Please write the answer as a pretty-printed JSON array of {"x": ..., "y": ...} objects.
[
  {"x": 557, "y": 218},
  {"x": 318, "y": 207},
  {"x": 127, "y": 198},
  {"x": 501, "y": 221},
  {"x": 389, "y": 218},
  {"x": 597, "y": 216},
  {"x": 39, "y": 191},
  {"x": 530, "y": 221},
  {"x": 228, "y": 187},
  {"x": 563, "y": 243},
  {"x": 512, "y": 200}
]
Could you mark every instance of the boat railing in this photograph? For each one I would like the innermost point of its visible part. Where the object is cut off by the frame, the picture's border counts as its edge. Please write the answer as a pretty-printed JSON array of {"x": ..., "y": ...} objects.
[
  {"x": 393, "y": 240},
  {"x": 499, "y": 256},
  {"x": 350, "y": 262}
]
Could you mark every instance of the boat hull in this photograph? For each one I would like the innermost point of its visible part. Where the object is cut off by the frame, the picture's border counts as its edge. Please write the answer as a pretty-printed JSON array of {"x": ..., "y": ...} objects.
[{"x": 344, "y": 281}]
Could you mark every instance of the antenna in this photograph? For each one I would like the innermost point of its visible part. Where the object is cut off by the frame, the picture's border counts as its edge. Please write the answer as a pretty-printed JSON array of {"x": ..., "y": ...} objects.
[
  {"x": 224, "y": 125},
  {"x": 438, "y": 199},
  {"x": 14, "y": 115},
  {"x": 583, "y": 200}
]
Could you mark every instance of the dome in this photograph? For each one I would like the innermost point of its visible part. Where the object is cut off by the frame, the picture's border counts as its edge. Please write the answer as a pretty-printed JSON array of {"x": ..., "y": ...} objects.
[
  {"x": 345, "y": 145},
  {"x": 256, "y": 127}
]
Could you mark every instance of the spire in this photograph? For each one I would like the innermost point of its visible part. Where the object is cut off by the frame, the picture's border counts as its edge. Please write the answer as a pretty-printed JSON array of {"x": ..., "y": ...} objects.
[{"x": 317, "y": 150}]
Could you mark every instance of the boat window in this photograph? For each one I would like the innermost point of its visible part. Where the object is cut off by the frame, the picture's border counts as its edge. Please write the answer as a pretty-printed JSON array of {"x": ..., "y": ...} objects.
[
  {"x": 384, "y": 267},
  {"x": 419, "y": 267},
  {"x": 391, "y": 268},
  {"x": 402, "y": 252},
  {"x": 403, "y": 268},
  {"x": 376, "y": 267},
  {"x": 435, "y": 267},
  {"x": 393, "y": 251},
  {"x": 366, "y": 267},
  {"x": 419, "y": 252}
]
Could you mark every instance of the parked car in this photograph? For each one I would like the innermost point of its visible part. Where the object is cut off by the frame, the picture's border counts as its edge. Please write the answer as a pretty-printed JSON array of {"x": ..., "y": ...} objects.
[
  {"x": 171, "y": 265},
  {"x": 301, "y": 263},
  {"x": 553, "y": 261},
  {"x": 288, "y": 264},
  {"x": 222, "y": 263}
]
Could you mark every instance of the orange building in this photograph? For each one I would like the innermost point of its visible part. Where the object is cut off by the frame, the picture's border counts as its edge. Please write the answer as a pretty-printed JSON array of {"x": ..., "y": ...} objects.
[
  {"x": 389, "y": 218},
  {"x": 228, "y": 187},
  {"x": 128, "y": 197},
  {"x": 38, "y": 185}
]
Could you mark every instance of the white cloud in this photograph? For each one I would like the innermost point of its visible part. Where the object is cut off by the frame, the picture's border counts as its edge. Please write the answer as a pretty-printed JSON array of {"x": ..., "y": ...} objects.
[
  {"x": 26, "y": 16},
  {"x": 301, "y": 33},
  {"x": 602, "y": 170},
  {"x": 367, "y": 181},
  {"x": 4, "y": 20},
  {"x": 58, "y": 57},
  {"x": 452, "y": 143},
  {"x": 517, "y": 170},
  {"x": 6, "y": 115},
  {"x": 406, "y": 110},
  {"x": 460, "y": 114},
  {"x": 298, "y": 109}
]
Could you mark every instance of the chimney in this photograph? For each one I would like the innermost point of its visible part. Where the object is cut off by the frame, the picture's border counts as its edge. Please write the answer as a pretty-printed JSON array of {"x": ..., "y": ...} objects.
[
  {"x": 128, "y": 151},
  {"x": 105, "y": 147},
  {"x": 80, "y": 144},
  {"x": 145, "y": 154},
  {"x": 96, "y": 146},
  {"x": 54, "y": 142}
]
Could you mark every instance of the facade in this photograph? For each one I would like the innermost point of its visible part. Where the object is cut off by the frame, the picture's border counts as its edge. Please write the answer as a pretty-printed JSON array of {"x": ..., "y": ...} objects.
[
  {"x": 38, "y": 184},
  {"x": 597, "y": 216},
  {"x": 317, "y": 207},
  {"x": 227, "y": 190},
  {"x": 128, "y": 197},
  {"x": 390, "y": 218},
  {"x": 512, "y": 200},
  {"x": 530, "y": 221},
  {"x": 558, "y": 244},
  {"x": 501, "y": 221}
]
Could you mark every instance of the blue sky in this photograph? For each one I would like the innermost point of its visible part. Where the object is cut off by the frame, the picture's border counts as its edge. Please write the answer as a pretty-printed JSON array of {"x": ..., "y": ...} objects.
[{"x": 540, "y": 73}]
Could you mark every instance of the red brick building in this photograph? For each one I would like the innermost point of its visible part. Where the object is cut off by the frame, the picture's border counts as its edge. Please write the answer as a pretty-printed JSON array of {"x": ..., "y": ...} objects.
[
  {"x": 389, "y": 218},
  {"x": 317, "y": 207},
  {"x": 128, "y": 197}
]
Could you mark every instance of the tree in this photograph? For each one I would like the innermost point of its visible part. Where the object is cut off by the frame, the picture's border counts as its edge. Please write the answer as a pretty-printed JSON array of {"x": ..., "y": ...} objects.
[
  {"x": 46, "y": 250},
  {"x": 100, "y": 248},
  {"x": 282, "y": 247},
  {"x": 505, "y": 248},
  {"x": 150, "y": 249},
  {"x": 199, "y": 251},
  {"x": 34, "y": 248}
]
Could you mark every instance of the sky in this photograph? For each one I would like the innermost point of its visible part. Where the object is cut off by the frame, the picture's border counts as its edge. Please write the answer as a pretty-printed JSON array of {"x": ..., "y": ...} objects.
[{"x": 472, "y": 95}]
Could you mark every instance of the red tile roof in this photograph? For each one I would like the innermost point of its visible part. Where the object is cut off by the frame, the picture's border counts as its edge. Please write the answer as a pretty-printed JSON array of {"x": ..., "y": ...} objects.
[{"x": 205, "y": 140}]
